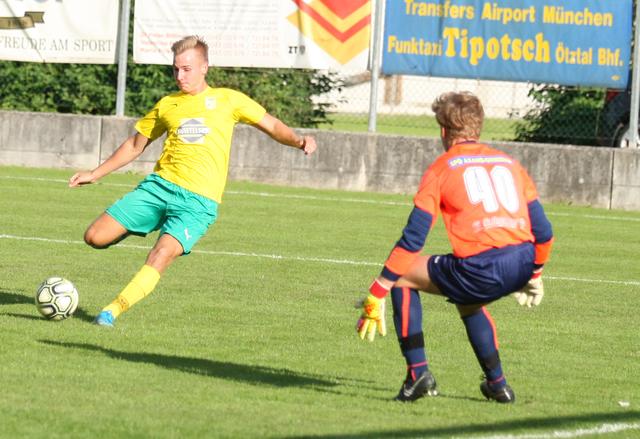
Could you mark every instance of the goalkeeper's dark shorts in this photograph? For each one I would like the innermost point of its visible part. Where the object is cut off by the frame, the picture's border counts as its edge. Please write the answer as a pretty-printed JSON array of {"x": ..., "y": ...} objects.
[{"x": 484, "y": 277}]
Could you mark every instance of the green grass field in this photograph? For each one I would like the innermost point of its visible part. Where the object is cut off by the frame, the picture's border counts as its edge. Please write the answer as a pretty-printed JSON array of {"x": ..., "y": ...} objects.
[
  {"x": 253, "y": 335},
  {"x": 406, "y": 124}
]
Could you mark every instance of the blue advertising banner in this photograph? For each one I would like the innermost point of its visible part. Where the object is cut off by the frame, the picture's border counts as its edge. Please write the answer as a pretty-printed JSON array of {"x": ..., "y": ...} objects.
[{"x": 568, "y": 42}]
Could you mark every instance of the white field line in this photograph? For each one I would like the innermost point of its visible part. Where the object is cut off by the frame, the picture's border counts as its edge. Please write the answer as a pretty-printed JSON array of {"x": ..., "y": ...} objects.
[
  {"x": 296, "y": 258},
  {"x": 206, "y": 252},
  {"x": 323, "y": 198},
  {"x": 596, "y": 217},
  {"x": 232, "y": 192},
  {"x": 60, "y": 180},
  {"x": 581, "y": 432},
  {"x": 317, "y": 198}
]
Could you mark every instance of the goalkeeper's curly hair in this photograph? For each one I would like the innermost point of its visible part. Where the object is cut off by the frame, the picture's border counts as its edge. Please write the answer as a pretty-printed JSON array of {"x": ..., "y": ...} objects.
[{"x": 460, "y": 113}]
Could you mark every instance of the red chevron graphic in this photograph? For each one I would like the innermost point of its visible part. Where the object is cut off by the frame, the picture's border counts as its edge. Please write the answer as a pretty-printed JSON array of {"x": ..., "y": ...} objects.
[
  {"x": 344, "y": 8},
  {"x": 342, "y": 36}
]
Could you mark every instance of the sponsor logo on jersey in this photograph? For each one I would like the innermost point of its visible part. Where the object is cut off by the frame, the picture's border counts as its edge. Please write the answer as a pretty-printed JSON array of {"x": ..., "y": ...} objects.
[
  {"x": 479, "y": 160},
  {"x": 193, "y": 130}
]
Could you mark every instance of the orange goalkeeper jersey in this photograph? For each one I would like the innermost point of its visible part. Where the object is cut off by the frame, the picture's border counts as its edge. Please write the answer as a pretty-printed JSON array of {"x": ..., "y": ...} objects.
[{"x": 487, "y": 200}]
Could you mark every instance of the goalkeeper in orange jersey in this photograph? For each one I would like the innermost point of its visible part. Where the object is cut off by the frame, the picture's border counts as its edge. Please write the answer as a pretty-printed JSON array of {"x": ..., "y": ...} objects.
[
  {"x": 180, "y": 198},
  {"x": 500, "y": 237}
]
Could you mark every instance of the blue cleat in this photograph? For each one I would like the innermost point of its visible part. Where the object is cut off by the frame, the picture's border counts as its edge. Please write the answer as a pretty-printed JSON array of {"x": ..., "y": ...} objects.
[{"x": 105, "y": 318}]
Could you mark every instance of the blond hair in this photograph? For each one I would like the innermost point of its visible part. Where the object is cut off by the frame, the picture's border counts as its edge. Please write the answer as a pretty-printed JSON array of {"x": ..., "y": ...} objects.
[
  {"x": 461, "y": 114},
  {"x": 191, "y": 42}
]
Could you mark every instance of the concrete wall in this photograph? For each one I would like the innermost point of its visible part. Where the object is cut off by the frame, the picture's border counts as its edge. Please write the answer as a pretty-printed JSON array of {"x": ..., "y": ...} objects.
[
  {"x": 599, "y": 177},
  {"x": 49, "y": 140},
  {"x": 564, "y": 173},
  {"x": 625, "y": 188}
]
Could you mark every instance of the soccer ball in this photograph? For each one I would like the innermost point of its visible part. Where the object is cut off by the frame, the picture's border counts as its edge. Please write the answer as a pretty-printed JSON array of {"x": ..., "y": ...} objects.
[{"x": 56, "y": 298}]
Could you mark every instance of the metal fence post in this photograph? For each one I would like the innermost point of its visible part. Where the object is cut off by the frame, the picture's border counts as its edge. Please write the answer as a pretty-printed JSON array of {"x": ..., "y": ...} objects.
[
  {"x": 631, "y": 138},
  {"x": 123, "y": 48},
  {"x": 375, "y": 64}
]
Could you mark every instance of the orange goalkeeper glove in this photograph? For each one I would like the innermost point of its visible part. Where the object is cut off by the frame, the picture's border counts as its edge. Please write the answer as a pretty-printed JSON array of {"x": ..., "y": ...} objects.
[
  {"x": 372, "y": 317},
  {"x": 531, "y": 294}
]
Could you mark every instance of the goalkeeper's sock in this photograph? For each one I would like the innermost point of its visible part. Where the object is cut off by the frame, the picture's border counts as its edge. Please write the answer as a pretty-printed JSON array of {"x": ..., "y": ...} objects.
[
  {"x": 140, "y": 286},
  {"x": 407, "y": 319},
  {"x": 482, "y": 334}
]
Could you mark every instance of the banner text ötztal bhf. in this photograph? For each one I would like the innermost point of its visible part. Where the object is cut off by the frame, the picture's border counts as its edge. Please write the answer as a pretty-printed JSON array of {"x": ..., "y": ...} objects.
[{"x": 569, "y": 42}]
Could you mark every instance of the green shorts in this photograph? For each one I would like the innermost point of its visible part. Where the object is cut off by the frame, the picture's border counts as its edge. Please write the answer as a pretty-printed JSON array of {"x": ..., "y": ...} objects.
[{"x": 157, "y": 204}]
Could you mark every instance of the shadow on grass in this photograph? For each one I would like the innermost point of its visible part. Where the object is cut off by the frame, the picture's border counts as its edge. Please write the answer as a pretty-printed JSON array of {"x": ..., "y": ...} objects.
[
  {"x": 218, "y": 369},
  {"x": 12, "y": 298},
  {"x": 79, "y": 314},
  {"x": 545, "y": 427},
  {"x": 35, "y": 316}
]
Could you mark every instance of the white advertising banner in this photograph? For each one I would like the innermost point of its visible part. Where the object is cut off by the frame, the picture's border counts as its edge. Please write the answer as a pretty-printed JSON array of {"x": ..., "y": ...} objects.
[
  {"x": 318, "y": 34},
  {"x": 59, "y": 31}
]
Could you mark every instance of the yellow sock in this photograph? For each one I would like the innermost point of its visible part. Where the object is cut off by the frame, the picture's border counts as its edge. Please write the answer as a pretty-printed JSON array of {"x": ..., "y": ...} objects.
[{"x": 140, "y": 286}]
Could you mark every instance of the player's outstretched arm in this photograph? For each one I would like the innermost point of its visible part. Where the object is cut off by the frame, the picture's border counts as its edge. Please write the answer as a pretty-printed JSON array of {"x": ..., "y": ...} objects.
[
  {"x": 127, "y": 152},
  {"x": 281, "y": 133}
]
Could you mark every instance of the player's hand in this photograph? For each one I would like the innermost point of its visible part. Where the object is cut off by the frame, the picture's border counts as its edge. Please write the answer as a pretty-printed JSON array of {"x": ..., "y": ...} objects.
[
  {"x": 81, "y": 178},
  {"x": 532, "y": 293},
  {"x": 372, "y": 317},
  {"x": 308, "y": 145}
]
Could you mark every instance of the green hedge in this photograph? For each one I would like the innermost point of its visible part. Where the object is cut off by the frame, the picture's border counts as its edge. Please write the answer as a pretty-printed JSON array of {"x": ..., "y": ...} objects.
[
  {"x": 91, "y": 89},
  {"x": 563, "y": 115}
]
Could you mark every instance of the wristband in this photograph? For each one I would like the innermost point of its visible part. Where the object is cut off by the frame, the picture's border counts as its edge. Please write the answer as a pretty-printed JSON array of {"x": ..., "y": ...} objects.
[
  {"x": 537, "y": 272},
  {"x": 378, "y": 290}
]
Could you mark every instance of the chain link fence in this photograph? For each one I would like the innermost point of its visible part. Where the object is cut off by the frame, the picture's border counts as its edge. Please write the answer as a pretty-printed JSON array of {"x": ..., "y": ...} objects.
[{"x": 513, "y": 110}]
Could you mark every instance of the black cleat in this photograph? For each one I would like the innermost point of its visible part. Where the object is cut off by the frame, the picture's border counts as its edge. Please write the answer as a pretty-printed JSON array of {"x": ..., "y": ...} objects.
[
  {"x": 504, "y": 395},
  {"x": 412, "y": 390}
]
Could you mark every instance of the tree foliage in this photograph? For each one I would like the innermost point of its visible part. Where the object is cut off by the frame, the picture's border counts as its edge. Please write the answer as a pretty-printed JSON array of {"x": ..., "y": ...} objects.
[
  {"x": 63, "y": 88},
  {"x": 563, "y": 115},
  {"x": 289, "y": 94}
]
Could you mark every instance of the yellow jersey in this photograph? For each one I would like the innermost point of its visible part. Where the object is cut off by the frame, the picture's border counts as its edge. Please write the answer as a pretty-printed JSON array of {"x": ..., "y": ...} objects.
[{"x": 199, "y": 129}]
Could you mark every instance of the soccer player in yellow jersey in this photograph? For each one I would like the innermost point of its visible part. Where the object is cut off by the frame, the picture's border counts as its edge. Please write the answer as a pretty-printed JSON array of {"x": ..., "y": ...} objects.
[{"x": 180, "y": 198}]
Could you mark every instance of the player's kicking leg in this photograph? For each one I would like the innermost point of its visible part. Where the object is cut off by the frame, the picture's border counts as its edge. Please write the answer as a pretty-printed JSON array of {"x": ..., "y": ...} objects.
[
  {"x": 191, "y": 215},
  {"x": 164, "y": 252},
  {"x": 104, "y": 232}
]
